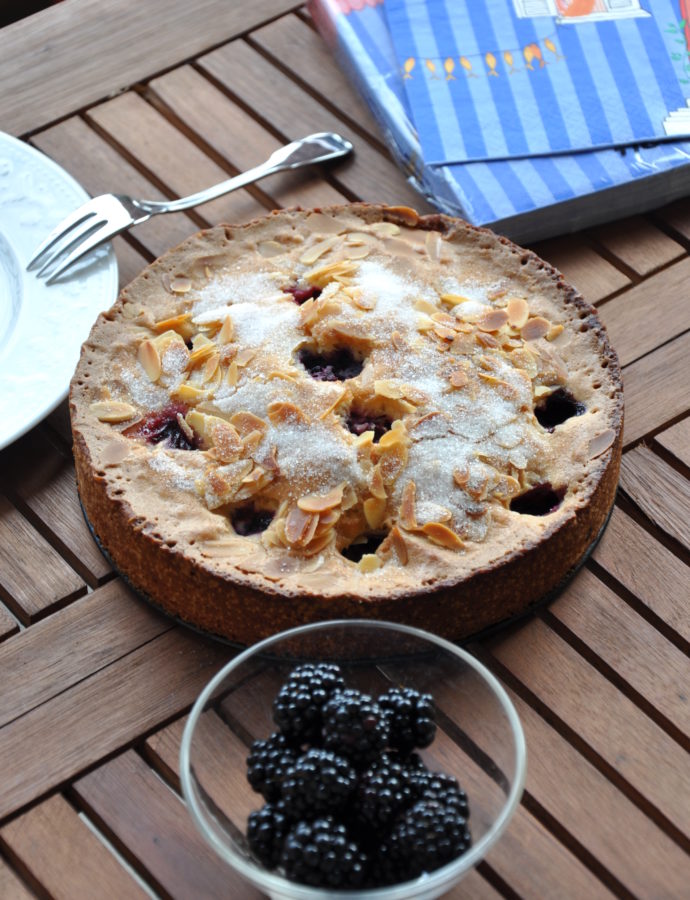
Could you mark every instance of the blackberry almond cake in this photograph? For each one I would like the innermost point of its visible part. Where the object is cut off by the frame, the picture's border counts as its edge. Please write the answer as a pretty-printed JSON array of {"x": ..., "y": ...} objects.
[{"x": 353, "y": 411}]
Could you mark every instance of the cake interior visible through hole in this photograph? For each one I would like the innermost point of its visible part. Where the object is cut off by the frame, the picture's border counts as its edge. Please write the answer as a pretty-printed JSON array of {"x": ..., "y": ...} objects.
[
  {"x": 556, "y": 407},
  {"x": 247, "y": 520},
  {"x": 365, "y": 543},
  {"x": 539, "y": 500},
  {"x": 333, "y": 365},
  {"x": 163, "y": 427},
  {"x": 358, "y": 421}
]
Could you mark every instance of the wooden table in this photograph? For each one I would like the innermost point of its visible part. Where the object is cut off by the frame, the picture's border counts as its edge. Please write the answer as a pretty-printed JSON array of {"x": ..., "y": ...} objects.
[{"x": 161, "y": 98}]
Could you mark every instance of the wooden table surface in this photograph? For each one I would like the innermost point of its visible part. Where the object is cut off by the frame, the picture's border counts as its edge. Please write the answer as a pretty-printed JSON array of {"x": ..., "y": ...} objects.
[{"x": 159, "y": 99}]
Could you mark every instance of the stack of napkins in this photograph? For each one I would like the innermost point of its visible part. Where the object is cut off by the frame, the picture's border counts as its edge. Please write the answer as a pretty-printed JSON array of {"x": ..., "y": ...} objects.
[{"x": 533, "y": 116}]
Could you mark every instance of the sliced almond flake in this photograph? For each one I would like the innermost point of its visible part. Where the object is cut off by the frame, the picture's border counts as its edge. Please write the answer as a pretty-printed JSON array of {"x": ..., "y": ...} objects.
[
  {"x": 406, "y": 213},
  {"x": 327, "y": 520},
  {"x": 334, "y": 404},
  {"x": 387, "y": 388},
  {"x": 211, "y": 367},
  {"x": 357, "y": 252},
  {"x": 246, "y": 422},
  {"x": 376, "y": 485},
  {"x": 228, "y": 352},
  {"x": 541, "y": 390},
  {"x": 601, "y": 443},
  {"x": 484, "y": 339},
  {"x": 454, "y": 299},
  {"x": 461, "y": 477},
  {"x": 115, "y": 452},
  {"x": 399, "y": 545},
  {"x": 283, "y": 376},
  {"x": 173, "y": 324},
  {"x": 493, "y": 320},
  {"x": 267, "y": 249},
  {"x": 350, "y": 498},
  {"x": 398, "y": 341},
  {"x": 365, "y": 439},
  {"x": 393, "y": 462},
  {"x": 233, "y": 374},
  {"x": 112, "y": 410},
  {"x": 357, "y": 238},
  {"x": 524, "y": 359},
  {"x": 150, "y": 359},
  {"x": 390, "y": 439},
  {"x": 187, "y": 393},
  {"x": 407, "y": 517},
  {"x": 425, "y": 306},
  {"x": 463, "y": 327},
  {"x": 319, "y": 221},
  {"x": 318, "y": 503},
  {"x": 200, "y": 354},
  {"x": 432, "y": 243},
  {"x": 313, "y": 253},
  {"x": 446, "y": 334},
  {"x": 227, "y": 331},
  {"x": 244, "y": 357},
  {"x": 553, "y": 332},
  {"x": 535, "y": 328},
  {"x": 180, "y": 285},
  {"x": 369, "y": 563},
  {"x": 441, "y": 534},
  {"x": 442, "y": 318},
  {"x": 386, "y": 229},
  {"x": 282, "y": 411},
  {"x": 297, "y": 524},
  {"x": 318, "y": 544},
  {"x": 188, "y": 432},
  {"x": 220, "y": 548},
  {"x": 374, "y": 511},
  {"x": 362, "y": 302},
  {"x": 459, "y": 378},
  {"x": 518, "y": 311}
]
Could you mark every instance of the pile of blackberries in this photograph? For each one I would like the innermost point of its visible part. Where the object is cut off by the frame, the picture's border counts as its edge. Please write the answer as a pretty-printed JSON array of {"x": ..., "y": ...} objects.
[{"x": 349, "y": 804}]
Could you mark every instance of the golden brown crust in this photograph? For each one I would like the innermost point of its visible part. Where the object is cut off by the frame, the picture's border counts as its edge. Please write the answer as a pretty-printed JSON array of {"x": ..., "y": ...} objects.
[{"x": 236, "y": 600}]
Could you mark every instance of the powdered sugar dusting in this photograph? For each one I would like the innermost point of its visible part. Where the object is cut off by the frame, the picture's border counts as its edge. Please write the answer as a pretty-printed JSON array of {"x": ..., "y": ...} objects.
[
  {"x": 237, "y": 287},
  {"x": 174, "y": 474},
  {"x": 325, "y": 456}
]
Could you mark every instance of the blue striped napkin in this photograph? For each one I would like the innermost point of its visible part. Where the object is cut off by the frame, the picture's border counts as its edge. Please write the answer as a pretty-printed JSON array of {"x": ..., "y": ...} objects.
[{"x": 505, "y": 79}]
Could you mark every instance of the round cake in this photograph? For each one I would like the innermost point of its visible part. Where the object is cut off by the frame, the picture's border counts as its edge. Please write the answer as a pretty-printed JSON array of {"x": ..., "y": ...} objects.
[{"x": 353, "y": 411}]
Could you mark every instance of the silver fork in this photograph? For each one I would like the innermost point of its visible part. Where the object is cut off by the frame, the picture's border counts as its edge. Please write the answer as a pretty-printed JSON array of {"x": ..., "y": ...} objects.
[{"x": 104, "y": 216}]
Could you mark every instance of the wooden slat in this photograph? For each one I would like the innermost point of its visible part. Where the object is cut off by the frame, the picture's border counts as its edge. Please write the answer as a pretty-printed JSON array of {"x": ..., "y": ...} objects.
[
  {"x": 148, "y": 819},
  {"x": 273, "y": 96},
  {"x": 649, "y": 314},
  {"x": 172, "y": 157},
  {"x": 45, "y": 481},
  {"x": 75, "y": 643},
  {"x": 650, "y": 571},
  {"x": 639, "y": 244},
  {"x": 677, "y": 440},
  {"x": 677, "y": 216},
  {"x": 593, "y": 276},
  {"x": 315, "y": 67},
  {"x": 83, "y": 50},
  {"x": 615, "y": 729},
  {"x": 11, "y": 888},
  {"x": 23, "y": 555},
  {"x": 100, "y": 170},
  {"x": 103, "y": 713},
  {"x": 661, "y": 493},
  {"x": 617, "y": 835},
  {"x": 8, "y": 624},
  {"x": 64, "y": 854},
  {"x": 633, "y": 649},
  {"x": 657, "y": 388},
  {"x": 237, "y": 137}
]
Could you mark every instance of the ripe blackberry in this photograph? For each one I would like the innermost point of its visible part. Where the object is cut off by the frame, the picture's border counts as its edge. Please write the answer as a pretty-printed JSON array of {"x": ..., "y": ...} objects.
[
  {"x": 318, "y": 782},
  {"x": 426, "y": 837},
  {"x": 297, "y": 708},
  {"x": 355, "y": 726},
  {"x": 411, "y": 718},
  {"x": 319, "y": 853},
  {"x": 383, "y": 792},
  {"x": 266, "y": 831},
  {"x": 267, "y": 763},
  {"x": 438, "y": 786}
]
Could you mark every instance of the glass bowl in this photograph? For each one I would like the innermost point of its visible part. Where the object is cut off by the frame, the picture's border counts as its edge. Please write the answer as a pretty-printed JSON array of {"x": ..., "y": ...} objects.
[{"x": 479, "y": 739}]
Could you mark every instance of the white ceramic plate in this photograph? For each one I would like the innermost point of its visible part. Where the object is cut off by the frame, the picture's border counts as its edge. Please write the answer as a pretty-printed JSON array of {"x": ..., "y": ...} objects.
[{"x": 42, "y": 327}]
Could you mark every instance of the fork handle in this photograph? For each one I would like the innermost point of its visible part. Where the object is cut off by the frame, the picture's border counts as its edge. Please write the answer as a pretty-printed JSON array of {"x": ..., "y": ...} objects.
[
  {"x": 154, "y": 207},
  {"x": 315, "y": 148}
]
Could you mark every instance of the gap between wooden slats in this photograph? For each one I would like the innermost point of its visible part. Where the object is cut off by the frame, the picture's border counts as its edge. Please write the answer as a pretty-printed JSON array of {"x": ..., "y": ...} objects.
[
  {"x": 580, "y": 805},
  {"x": 289, "y": 112},
  {"x": 676, "y": 442},
  {"x": 117, "y": 705},
  {"x": 54, "y": 848},
  {"x": 43, "y": 487},
  {"x": 34, "y": 578},
  {"x": 11, "y": 887}
]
